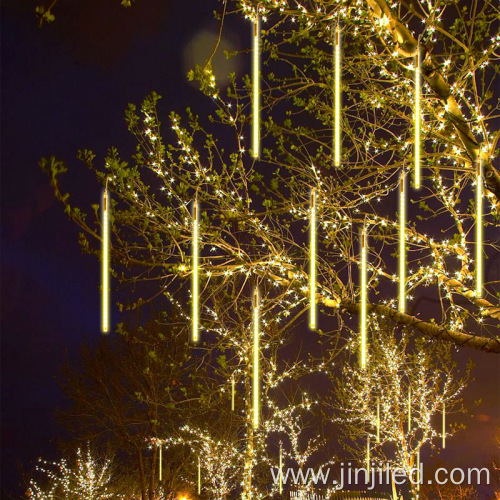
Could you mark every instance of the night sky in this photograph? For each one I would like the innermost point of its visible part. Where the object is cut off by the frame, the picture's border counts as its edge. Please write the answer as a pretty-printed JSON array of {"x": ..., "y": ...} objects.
[{"x": 65, "y": 87}]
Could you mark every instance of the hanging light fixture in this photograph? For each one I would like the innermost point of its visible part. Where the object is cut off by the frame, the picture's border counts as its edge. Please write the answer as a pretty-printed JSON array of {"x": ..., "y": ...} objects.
[
  {"x": 105, "y": 261},
  {"x": 195, "y": 274},
  {"x": 364, "y": 293},
  {"x": 337, "y": 140},
  {"x": 312, "y": 262},
  {"x": 479, "y": 227},
  {"x": 402, "y": 243},
  {"x": 256, "y": 360},
  {"x": 256, "y": 87},
  {"x": 417, "y": 118}
]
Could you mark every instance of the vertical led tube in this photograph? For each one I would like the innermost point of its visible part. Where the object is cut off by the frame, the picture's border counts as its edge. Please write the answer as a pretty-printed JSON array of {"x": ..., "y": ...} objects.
[
  {"x": 195, "y": 275},
  {"x": 256, "y": 88},
  {"x": 417, "y": 119},
  {"x": 199, "y": 476},
  {"x": 418, "y": 469},
  {"x": 312, "y": 262},
  {"x": 232, "y": 392},
  {"x": 402, "y": 243},
  {"x": 479, "y": 227},
  {"x": 160, "y": 466},
  {"x": 281, "y": 470},
  {"x": 368, "y": 457},
  {"x": 105, "y": 263},
  {"x": 444, "y": 426},
  {"x": 409, "y": 409},
  {"x": 378, "y": 420},
  {"x": 256, "y": 360},
  {"x": 337, "y": 139},
  {"x": 364, "y": 293}
]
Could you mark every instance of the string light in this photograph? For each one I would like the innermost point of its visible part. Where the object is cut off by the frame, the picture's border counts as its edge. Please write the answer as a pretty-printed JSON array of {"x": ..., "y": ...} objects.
[
  {"x": 337, "y": 144},
  {"x": 256, "y": 361},
  {"x": 364, "y": 292},
  {"x": 444, "y": 426},
  {"x": 195, "y": 274},
  {"x": 312, "y": 262},
  {"x": 479, "y": 228},
  {"x": 402, "y": 243},
  {"x": 417, "y": 119},
  {"x": 105, "y": 262},
  {"x": 256, "y": 87}
]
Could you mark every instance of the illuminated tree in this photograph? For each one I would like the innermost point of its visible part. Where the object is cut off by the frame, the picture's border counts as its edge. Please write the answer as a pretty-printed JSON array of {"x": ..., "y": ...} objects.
[
  {"x": 85, "y": 478},
  {"x": 404, "y": 389}
]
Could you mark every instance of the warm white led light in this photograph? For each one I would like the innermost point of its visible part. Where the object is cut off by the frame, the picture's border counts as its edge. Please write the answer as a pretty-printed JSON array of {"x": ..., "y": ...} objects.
[
  {"x": 417, "y": 119},
  {"x": 312, "y": 262},
  {"x": 402, "y": 244},
  {"x": 256, "y": 360},
  {"x": 281, "y": 470},
  {"x": 368, "y": 456},
  {"x": 409, "y": 409},
  {"x": 233, "y": 382},
  {"x": 199, "y": 476},
  {"x": 479, "y": 228},
  {"x": 337, "y": 140},
  {"x": 378, "y": 420},
  {"x": 195, "y": 275},
  {"x": 256, "y": 88},
  {"x": 160, "y": 467},
  {"x": 364, "y": 293},
  {"x": 444, "y": 426},
  {"x": 105, "y": 262}
]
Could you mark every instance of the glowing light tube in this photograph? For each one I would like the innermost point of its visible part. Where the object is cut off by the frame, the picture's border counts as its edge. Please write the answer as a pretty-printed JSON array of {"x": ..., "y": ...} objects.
[
  {"x": 364, "y": 293},
  {"x": 232, "y": 392},
  {"x": 337, "y": 139},
  {"x": 418, "y": 470},
  {"x": 160, "y": 471},
  {"x": 368, "y": 457},
  {"x": 417, "y": 119},
  {"x": 195, "y": 275},
  {"x": 281, "y": 470},
  {"x": 378, "y": 420},
  {"x": 256, "y": 360},
  {"x": 312, "y": 262},
  {"x": 409, "y": 409},
  {"x": 444, "y": 426},
  {"x": 105, "y": 263},
  {"x": 402, "y": 244},
  {"x": 199, "y": 476},
  {"x": 256, "y": 88},
  {"x": 479, "y": 229}
]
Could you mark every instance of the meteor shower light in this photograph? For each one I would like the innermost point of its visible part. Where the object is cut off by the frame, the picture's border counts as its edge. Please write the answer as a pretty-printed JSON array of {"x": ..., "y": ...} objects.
[
  {"x": 368, "y": 456},
  {"x": 479, "y": 228},
  {"x": 337, "y": 143},
  {"x": 256, "y": 360},
  {"x": 256, "y": 88},
  {"x": 409, "y": 409},
  {"x": 281, "y": 469},
  {"x": 444, "y": 426},
  {"x": 160, "y": 467},
  {"x": 402, "y": 243},
  {"x": 312, "y": 262},
  {"x": 364, "y": 292},
  {"x": 378, "y": 420},
  {"x": 199, "y": 476},
  {"x": 417, "y": 119},
  {"x": 105, "y": 262},
  {"x": 195, "y": 275},
  {"x": 232, "y": 392}
]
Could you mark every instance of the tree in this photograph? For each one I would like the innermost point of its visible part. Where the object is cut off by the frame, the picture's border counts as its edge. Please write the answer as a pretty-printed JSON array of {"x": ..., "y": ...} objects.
[{"x": 397, "y": 403}]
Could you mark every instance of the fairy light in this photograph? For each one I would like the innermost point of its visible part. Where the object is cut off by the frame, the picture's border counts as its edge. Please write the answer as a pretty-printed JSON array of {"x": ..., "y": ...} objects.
[
  {"x": 402, "y": 244},
  {"x": 337, "y": 97},
  {"x": 195, "y": 274},
  {"x": 444, "y": 426},
  {"x": 312, "y": 262},
  {"x": 256, "y": 367},
  {"x": 417, "y": 119},
  {"x": 199, "y": 476},
  {"x": 160, "y": 466},
  {"x": 232, "y": 392},
  {"x": 105, "y": 262},
  {"x": 378, "y": 420},
  {"x": 281, "y": 469},
  {"x": 363, "y": 315},
  {"x": 256, "y": 87},
  {"x": 479, "y": 228}
]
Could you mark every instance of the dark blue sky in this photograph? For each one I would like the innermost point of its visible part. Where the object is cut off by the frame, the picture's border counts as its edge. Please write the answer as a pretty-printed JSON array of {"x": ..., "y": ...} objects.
[{"x": 65, "y": 87}]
